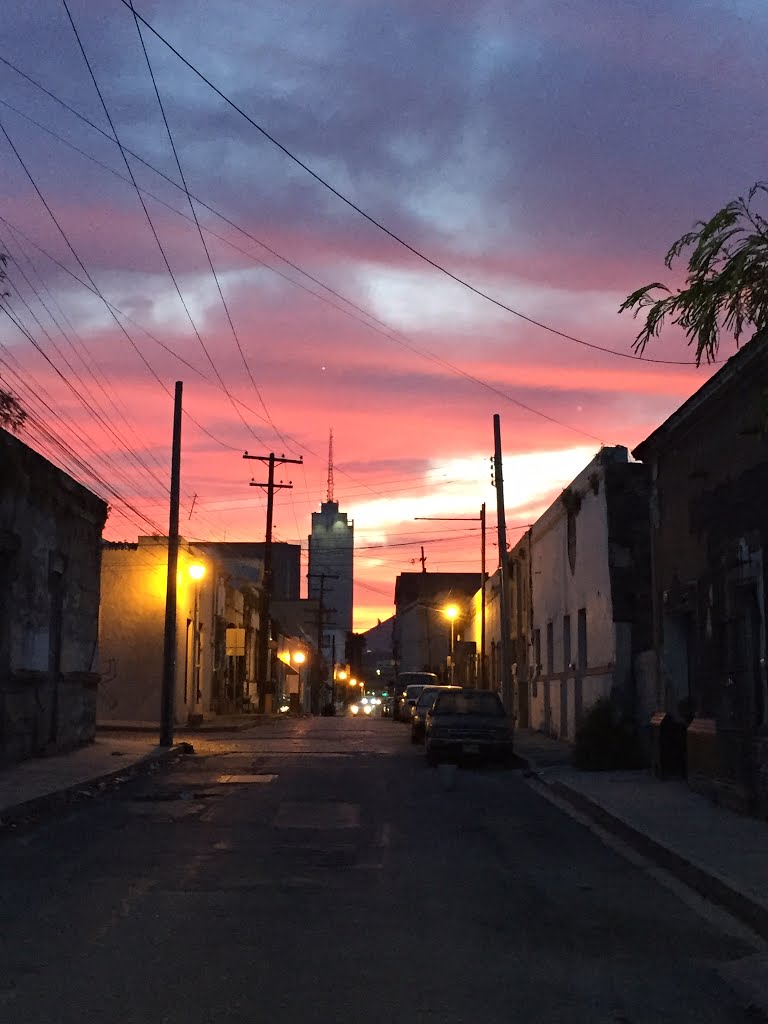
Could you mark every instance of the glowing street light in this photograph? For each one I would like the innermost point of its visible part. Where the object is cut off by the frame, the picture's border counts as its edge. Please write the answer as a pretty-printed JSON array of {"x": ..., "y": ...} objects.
[
  {"x": 451, "y": 612},
  {"x": 299, "y": 657},
  {"x": 196, "y": 571}
]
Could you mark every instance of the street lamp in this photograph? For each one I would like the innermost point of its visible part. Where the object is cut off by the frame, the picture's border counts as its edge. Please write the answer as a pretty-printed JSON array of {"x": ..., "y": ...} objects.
[{"x": 451, "y": 612}]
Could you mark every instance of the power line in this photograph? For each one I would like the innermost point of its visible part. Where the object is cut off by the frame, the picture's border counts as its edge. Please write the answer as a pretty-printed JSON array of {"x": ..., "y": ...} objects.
[
  {"x": 382, "y": 227},
  {"x": 151, "y": 223},
  {"x": 101, "y": 384},
  {"x": 199, "y": 229},
  {"x": 114, "y": 310},
  {"x": 96, "y": 411},
  {"x": 370, "y": 322}
]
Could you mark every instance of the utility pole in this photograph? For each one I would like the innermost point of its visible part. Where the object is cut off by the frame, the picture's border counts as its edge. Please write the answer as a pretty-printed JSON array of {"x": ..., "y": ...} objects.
[
  {"x": 168, "y": 688},
  {"x": 316, "y": 673},
  {"x": 483, "y": 659},
  {"x": 468, "y": 519},
  {"x": 506, "y": 660},
  {"x": 262, "y": 654}
]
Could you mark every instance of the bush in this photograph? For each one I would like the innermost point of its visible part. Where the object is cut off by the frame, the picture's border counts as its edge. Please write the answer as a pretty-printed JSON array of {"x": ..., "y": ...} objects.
[{"x": 604, "y": 742}]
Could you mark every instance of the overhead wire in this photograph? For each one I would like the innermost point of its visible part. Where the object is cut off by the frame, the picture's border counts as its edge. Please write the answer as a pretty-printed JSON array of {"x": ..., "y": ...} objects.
[
  {"x": 160, "y": 246},
  {"x": 89, "y": 403},
  {"x": 98, "y": 413},
  {"x": 101, "y": 381},
  {"x": 377, "y": 223},
  {"x": 68, "y": 458},
  {"x": 193, "y": 211},
  {"x": 371, "y": 322},
  {"x": 114, "y": 310}
]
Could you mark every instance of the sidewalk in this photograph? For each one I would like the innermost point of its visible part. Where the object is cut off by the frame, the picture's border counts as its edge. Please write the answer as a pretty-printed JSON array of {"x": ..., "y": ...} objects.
[
  {"x": 43, "y": 783},
  {"x": 720, "y": 854}
]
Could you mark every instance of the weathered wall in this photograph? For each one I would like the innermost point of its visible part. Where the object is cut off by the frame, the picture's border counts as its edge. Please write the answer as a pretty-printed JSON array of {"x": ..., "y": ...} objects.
[
  {"x": 50, "y": 550},
  {"x": 132, "y": 628},
  {"x": 709, "y": 465},
  {"x": 571, "y": 571}
]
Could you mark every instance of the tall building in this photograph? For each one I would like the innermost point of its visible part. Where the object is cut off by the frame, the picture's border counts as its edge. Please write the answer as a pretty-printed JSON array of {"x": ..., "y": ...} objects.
[{"x": 331, "y": 552}]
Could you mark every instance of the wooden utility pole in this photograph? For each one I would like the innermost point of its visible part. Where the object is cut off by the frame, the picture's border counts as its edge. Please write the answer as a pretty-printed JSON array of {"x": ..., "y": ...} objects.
[
  {"x": 168, "y": 689},
  {"x": 483, "y": 659},
  {"x": 262, "y": 653},
  {"x": 504, "y": 627}
]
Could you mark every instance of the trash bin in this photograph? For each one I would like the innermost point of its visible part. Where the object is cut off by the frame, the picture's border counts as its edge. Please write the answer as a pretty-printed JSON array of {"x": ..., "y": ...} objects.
[{"x": 667, "y": 745}]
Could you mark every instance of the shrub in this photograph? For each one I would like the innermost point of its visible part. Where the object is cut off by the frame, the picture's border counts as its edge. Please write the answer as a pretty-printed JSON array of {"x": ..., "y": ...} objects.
[{"x": 603, "y": 741}]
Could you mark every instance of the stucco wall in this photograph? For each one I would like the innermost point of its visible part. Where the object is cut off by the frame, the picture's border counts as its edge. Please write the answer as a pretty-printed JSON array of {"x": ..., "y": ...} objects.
[
  {"x": 571, "y": 571},
  {"x": 132, "y": 631},
  {"x": 50, "y": 549}
]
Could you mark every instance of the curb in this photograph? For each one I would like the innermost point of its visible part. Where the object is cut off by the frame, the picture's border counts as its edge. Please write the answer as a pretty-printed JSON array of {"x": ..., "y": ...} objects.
[
  {"x": 705, "y": 883},
  {"x": 186, "y": 730},
  {"x": 22, "y": 813}
]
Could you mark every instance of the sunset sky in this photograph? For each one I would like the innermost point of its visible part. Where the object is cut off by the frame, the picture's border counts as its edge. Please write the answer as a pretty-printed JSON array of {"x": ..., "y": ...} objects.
[{"x": 545, "y": 152}]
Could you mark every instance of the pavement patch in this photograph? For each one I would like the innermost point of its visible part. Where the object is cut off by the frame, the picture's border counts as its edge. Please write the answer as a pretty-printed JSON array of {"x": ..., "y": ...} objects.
[
  {"x": 245, "y": 779},
  {"x": 318, "y": 815}
]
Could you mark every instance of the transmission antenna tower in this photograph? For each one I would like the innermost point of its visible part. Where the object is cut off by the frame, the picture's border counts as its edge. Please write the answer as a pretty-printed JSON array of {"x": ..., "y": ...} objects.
[{"x": 330, "y": 468}]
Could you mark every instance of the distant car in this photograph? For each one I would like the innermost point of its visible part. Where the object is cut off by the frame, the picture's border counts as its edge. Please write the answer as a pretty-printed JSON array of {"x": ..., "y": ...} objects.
[
  {"x": 468, "y": 723},
  {"x": 407, "y": 689},
  {"x": 422, "y": 707},
  {"x": 386, "y": 707},
  {"x": 363, "y": 707}
]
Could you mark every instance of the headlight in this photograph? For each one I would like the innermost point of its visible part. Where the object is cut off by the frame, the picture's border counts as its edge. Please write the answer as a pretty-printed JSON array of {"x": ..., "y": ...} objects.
[
  {"x": 354, "y": 708},
  {"x": 367, "y": 709}
]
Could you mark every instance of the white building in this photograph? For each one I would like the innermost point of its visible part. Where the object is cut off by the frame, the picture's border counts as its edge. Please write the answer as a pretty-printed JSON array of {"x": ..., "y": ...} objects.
[
  {"x": 590, "y": 580},
  {"x": 331, "y": 579}
]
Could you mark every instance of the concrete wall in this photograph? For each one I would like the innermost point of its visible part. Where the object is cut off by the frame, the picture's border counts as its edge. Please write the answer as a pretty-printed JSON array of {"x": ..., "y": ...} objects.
[
  {"x": 50, "y": 536},
  {"x": 132, "y": 627},
  {"x": 570, "y": 572},
  {"x": 423, "y": 640}
]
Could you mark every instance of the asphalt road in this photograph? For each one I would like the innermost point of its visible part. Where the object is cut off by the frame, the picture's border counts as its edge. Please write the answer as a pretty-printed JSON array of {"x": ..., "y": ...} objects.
[{"x": 319, "y": 871}]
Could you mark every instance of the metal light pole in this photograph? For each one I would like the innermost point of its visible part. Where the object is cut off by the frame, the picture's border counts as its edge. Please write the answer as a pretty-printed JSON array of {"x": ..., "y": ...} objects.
[{"x": 451, "y": 612}]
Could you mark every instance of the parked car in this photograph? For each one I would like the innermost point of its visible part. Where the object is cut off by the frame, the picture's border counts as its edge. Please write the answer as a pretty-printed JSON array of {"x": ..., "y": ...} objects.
[
  {"x": 467, "y": 723},
  {"x": 422, "y": 707},
  {"x": 407, "y": 689}
]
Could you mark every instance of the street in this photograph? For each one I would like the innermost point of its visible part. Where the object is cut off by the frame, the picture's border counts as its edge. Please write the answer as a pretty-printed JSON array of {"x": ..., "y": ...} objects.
[{"x": 318, "y": 871}]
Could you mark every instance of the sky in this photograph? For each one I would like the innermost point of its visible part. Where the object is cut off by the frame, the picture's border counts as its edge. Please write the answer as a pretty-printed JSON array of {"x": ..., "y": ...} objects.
[{"x": 544, "y": 152}]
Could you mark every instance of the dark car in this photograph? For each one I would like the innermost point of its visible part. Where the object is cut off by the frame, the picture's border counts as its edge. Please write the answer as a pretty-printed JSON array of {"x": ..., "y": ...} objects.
[
  {"x": 468, "y": 723},
  {"x": 422, "y": 707},
  {"x": 407, "y": 689}
]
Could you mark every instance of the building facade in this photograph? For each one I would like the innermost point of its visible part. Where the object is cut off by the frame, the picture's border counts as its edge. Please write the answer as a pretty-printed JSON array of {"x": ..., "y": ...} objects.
[
  {"x": 217, "y": 626},
  {"x": 422, "y": 633},
  {"x": 331, "y": 577},
  {"x": 50, "y": 551},
  {"x": 589, "y": 604},
  {"x": 709, "y": 468}
]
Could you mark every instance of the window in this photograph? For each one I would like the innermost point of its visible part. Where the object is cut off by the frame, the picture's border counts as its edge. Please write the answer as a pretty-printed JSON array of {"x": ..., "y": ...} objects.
[
  {"x": 550, "y": 648},
  {"x": 581, "y": 639},
  {"x": 566, "y": 643}
]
